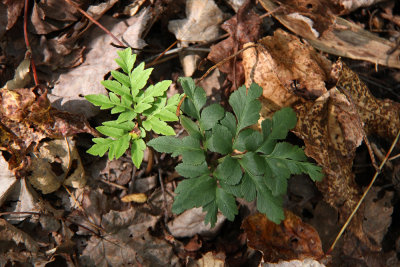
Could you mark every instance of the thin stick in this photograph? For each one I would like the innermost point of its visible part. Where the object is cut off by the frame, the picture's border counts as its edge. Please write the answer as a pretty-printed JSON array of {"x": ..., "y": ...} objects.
[
  {"x": 365, "y": 193},
  {"x": 95, "y": 22},
  {"x": 28, "y": 46},
  {"x": 165, "y": 51}
]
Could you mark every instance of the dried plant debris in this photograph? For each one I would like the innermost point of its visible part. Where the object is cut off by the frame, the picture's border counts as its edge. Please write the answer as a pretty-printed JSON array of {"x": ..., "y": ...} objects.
[
  {"x": 285, "y": 68},
  {"x": 56, "y": 163},
  {"x": 9, "y": 13},
  {"x": 128, "y": 242},
  {"x": 332, "y": 34},
  {"x": 331, "y": 121},
  {"x": 290, "y": 240},
  {"x": 242, "y": 28},
  {"x": 26, "y": 118}
]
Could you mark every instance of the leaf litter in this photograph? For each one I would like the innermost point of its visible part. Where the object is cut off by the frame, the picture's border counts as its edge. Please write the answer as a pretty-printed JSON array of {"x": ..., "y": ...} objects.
[{"x": 291, "y": 73}]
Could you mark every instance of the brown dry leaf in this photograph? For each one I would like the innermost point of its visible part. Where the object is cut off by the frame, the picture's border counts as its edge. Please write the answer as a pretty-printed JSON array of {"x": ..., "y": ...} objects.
[
  {"x": 281, "y": 65},
  {"x": 291, "y": 239},
  {"x": 341, "y": 38},
  {"x": 329, "y": 122},
  {"x": 26, "y": 118},
  {"x": 21, "y": 76},
  {"x": 295, "y": 263},
  {"x": 12, "y": 237},
  {"x": 49, "y": 167},
  {"x": 128, "y": 242},
  {"x": 9, "y": 13},
  {"x": 244, "y": 27},
  {"x": 376, "y": 227}
]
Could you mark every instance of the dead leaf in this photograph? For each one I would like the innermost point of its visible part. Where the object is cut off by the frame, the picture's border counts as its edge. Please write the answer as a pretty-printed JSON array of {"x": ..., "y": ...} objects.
[
  {"x": 376, "y": 227},
  {"x": 128, "y": 242},
  {"x": 10, "y": 233},
  {"x": 71, "y": 87},
  {"x": 209, "y": 259},
  {"x": 54, "y": 166},
  {"x": 201, "y": 25},
  {"x": 9, "y": 14},
  {"x": 194, "y": 244},
  {"x": 292, "y": 239},
  {"x": 26, "y": 118},
  {"x": 295, "y": 263},
  {"x": 342, "y": 38},
  {"x": 191, "y": 222},
  {"x": 285, "y": 68},
  {"x": 7, "y": 180},
  {"x": 21, "y": 76},
  {"x": 244, "y": 27}
]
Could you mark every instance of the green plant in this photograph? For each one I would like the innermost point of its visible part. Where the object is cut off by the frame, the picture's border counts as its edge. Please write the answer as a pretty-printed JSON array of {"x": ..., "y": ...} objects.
[
  {"x": 139, "y": 110},
  {"x": 249, "y": 164}
]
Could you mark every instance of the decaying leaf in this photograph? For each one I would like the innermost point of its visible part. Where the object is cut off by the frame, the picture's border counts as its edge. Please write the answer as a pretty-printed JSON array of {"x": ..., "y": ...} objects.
[
  {"x": 54, "y": 166},
  {"x": 290, "y": 240},
  {"x": 209, "y": 259},
  {"x": 244, "y": 27},
  {"x": 9, "y": 13},
  {"x": 332, "y": 34},
  {"x": 285, "y": 68},
  {"x": 375, "y": 226},
  {"x": 9, "y": 233},
  {"x": 331, "y": 121},
  {"x": 26, "y": 118},
  {"x": 128, "y": 242}
]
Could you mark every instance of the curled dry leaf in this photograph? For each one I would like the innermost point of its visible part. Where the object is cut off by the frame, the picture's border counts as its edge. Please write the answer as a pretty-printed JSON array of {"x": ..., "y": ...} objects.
[
  {"x": 318, "y": 23},
  {"x": 26, "y": 118},
  {"x": 54, "y": 165},
  {"x": 290, "y": 240},
  {"x": 242, "y": 28}
]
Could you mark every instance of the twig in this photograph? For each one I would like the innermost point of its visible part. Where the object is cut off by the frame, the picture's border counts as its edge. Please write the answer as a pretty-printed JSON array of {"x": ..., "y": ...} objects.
[
  {"x": 95, "y": 22},
  {"x": 364, "y": 195},
  {"x": 28, "y": 46}
]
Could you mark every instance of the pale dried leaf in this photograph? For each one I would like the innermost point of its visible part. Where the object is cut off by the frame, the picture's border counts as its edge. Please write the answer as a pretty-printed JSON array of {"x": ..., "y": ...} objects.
[
  {"x": 7, "y": 180},
  {"x": 50, "y": 166},
  {"x": 295, "y": 263},
  {"x": 191, "y": 222},
  {"x": 201, "y": 24},
  {"x": 21, "y": 77}
]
